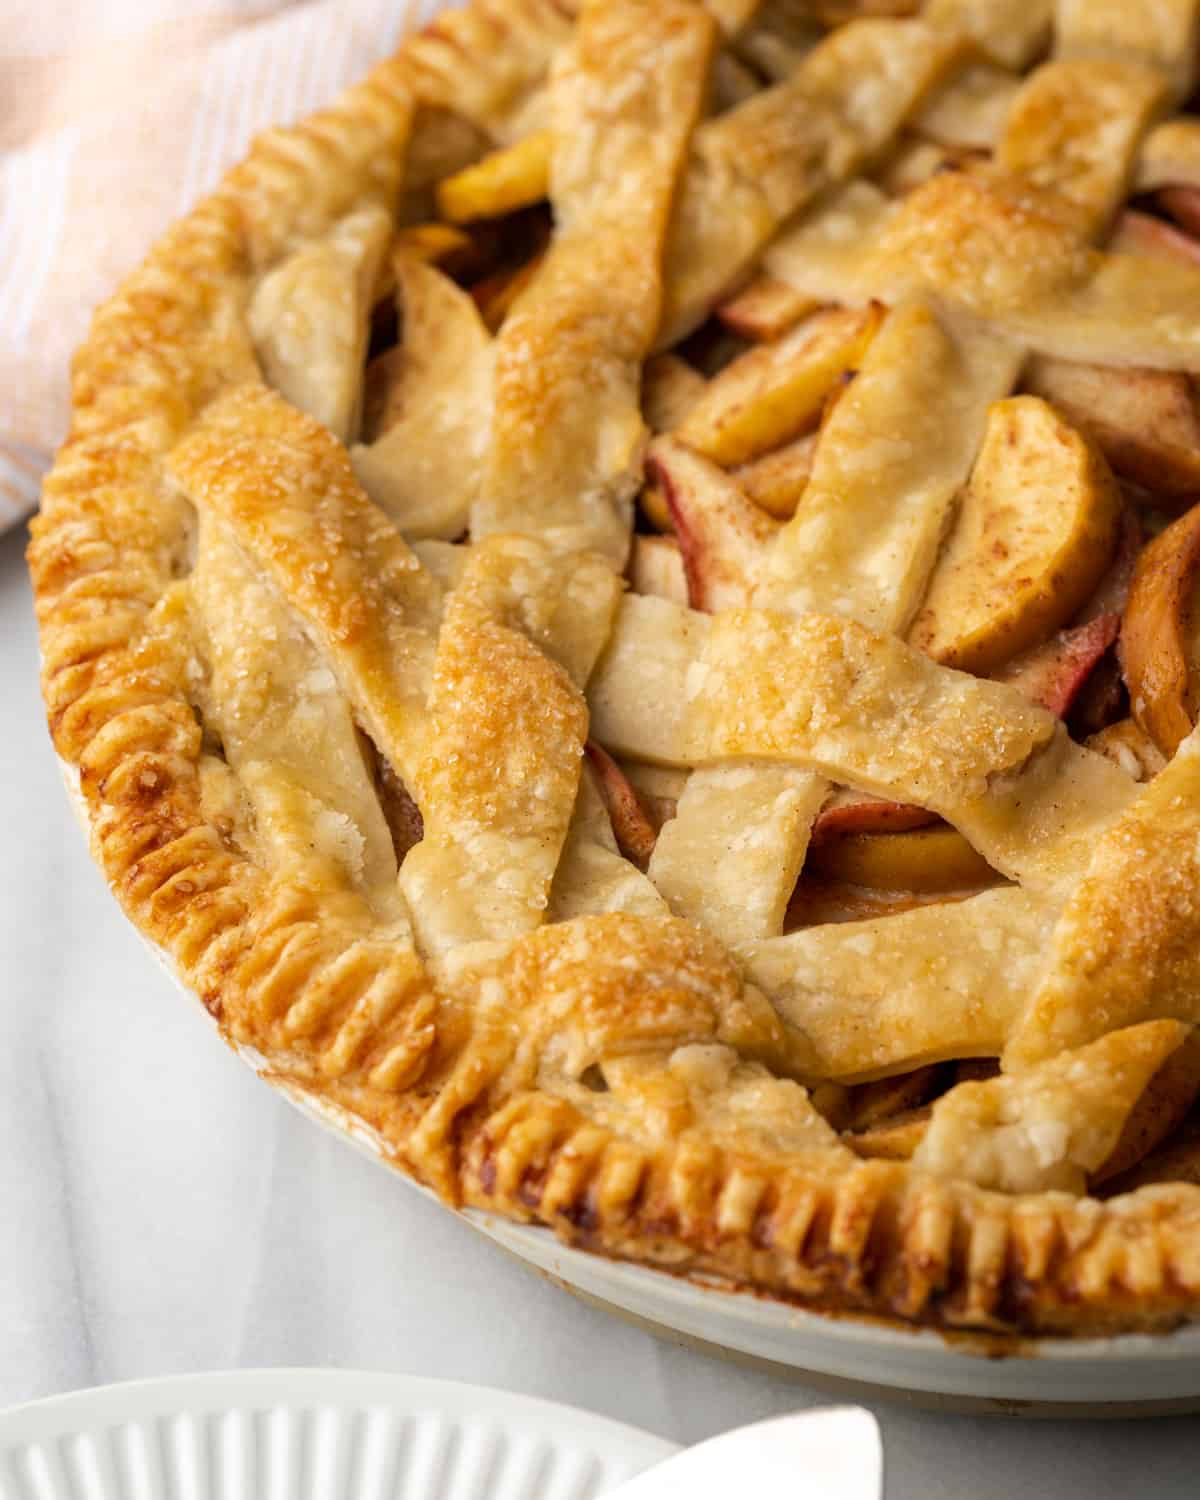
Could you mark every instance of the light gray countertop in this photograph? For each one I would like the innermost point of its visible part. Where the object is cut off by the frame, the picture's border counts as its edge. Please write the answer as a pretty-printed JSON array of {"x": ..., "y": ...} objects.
[{"x": 161, "y": 1210}]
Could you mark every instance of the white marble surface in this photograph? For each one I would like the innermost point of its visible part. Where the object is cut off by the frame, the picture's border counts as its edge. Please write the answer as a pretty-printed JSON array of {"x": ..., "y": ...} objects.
[{"x": 161, "y": 1210}]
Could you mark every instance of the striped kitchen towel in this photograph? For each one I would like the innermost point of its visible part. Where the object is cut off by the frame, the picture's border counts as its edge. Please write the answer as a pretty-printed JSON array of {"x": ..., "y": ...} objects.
[{"x": 114, "y": 119}]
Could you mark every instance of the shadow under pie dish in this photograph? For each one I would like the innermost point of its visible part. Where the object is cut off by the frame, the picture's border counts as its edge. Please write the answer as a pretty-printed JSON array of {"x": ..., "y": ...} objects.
[{"x": 622, "y": 602}]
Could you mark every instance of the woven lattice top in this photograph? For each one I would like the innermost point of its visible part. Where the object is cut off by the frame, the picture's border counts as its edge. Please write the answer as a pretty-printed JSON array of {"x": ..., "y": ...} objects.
[{"x": 582, "y": 592}]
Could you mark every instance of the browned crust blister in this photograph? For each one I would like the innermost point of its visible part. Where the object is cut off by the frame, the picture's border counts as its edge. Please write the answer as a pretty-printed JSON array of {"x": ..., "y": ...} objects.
[{"x": 488, "y": 1109}]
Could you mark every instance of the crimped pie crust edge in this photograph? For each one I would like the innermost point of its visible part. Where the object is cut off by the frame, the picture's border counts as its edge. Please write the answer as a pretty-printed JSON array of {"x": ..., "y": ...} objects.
[{"x": 875, "y": 1238}]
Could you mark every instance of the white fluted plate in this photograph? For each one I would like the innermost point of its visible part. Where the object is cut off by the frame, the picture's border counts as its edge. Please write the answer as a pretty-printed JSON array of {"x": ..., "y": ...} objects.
[{"x": 312, "y": 1435}]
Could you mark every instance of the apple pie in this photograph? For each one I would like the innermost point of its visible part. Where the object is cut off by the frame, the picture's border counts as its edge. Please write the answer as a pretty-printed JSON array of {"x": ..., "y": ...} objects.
[{"x": 625, "y": 606}]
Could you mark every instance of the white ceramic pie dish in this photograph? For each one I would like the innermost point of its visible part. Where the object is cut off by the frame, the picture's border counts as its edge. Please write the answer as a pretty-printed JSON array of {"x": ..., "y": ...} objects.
[
  {"x": 303, "y": 1434},
  {"x": 1131, "y": 1374}
]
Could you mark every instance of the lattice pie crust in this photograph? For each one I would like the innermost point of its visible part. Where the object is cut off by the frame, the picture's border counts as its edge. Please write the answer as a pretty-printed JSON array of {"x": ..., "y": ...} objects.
[{"x": 770, "y": 464}]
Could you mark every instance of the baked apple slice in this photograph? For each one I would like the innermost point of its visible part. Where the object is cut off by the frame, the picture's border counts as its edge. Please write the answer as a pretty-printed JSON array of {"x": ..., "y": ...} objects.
[
  {"x": 894, "y": 1139},
  {"x": 869, "y": 1104},
  {"x": 776, "y": 481},
  {"x": 383, "y": 393},
  {"x": 1159, "y": 634},
  {"x": 1112, "y": 595},
  {"x": 848, "y": 811},
  {"x": 1128, "y": 745},
  {"x": 436, "y": 244},
  {"x": 777, "y": 391},
  {"x": 817, "y": 902},
  {"x": 670, "y": 389},
  {"x": 1159, "y": 1111},
  {"x": 765, "y": 309},
  {"x": 495, "y": 295},
  {"x": 1175, "y": 1160},
  {"x": 723, "y": 537},
  {"x": 658, "y": 788},
  {"x": 453, "y": 250},
  {"x": 1181, "y": 202},
  {"x": 1142, "y": 234},
  {"x": 1054, "y": 672},
  {"x": 1035, "y": 533},
  {"x": 654, "y": 508},
  {"x": 634, "y": 830},
  {"x": 503, "y": 181},
  {"x": 1145, "y": 422},
  {"x": 923, "y": 861},
  {"x": 656, "y": 567}
]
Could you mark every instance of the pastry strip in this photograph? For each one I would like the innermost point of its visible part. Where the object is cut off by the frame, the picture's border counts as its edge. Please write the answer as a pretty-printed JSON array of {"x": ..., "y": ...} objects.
[
  {"x": 862, "y": 544},
  {"x": 1128, "y": 946},
  {"x": 730, "y": 857},
  {"x": 425, "y": 470},
  {"x": 592, "y": 875},
  {"x": 285, "y": 488},
  {"x": 568, "y": 431},
  {"x": 893, "y": 454},
  {"x": 310, "y": 317},
  {"x": 863, "y": 709},
  {"x": 1163, "y": 36},
  {"x": 499, "y": 776},
  {"x": 1052, "y": 1125},
  {"x": 287, "y": 732},
  {"x": 995, "y": 248},
  {"x": 759, "y": 164},
  {"x": 1010, "y": 35},
  {"x": 885, "y": 996},
  {"x": 1074, "y": 128}
]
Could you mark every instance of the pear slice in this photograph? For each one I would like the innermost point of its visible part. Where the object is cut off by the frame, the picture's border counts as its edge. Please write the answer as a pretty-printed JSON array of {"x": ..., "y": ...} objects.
[{"x": 1037, "y": 528}]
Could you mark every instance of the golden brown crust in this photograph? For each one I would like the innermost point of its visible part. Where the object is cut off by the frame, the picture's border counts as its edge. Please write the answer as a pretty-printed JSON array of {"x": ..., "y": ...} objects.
[{"x": 700, "y": 1151}]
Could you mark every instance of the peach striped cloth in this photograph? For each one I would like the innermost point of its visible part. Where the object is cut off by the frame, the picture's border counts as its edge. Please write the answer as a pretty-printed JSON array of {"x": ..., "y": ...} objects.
[{"x": 114, "y": 119}]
